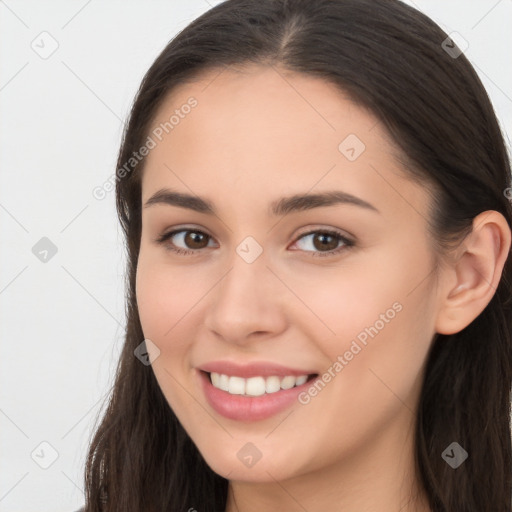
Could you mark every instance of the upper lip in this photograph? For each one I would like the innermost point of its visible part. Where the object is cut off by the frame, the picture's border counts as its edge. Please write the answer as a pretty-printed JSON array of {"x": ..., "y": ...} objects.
[{"x": 254, "y": 369}]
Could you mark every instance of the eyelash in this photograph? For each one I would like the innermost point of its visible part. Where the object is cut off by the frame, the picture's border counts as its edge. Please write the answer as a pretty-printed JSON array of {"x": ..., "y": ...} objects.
[{"x": 347, "y": 243}]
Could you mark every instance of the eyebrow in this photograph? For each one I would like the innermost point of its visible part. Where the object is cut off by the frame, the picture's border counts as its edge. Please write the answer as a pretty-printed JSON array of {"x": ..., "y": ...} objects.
[{"x": 283, "y": 206}]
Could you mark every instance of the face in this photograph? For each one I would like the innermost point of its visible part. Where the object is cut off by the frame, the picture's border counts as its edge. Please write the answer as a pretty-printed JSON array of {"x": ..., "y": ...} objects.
[{"x": 337, "y": 289}]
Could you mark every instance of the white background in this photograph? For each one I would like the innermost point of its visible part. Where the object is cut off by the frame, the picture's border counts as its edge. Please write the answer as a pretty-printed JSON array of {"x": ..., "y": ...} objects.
[{"x": 61, "y": 122}]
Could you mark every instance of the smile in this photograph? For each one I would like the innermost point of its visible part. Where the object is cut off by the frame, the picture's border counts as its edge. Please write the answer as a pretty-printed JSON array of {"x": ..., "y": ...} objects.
[
  {"x": 255, "y": 386},
  {"x": 237, "y": 403}
]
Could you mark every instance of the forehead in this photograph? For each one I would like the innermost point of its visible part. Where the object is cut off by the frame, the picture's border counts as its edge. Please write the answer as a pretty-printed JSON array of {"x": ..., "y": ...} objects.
[
  {"x": 246, "y": 107},
  {"x": 256, "y": 131}
]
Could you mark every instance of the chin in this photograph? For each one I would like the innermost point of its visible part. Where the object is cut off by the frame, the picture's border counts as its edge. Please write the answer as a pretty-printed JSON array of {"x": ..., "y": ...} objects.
[{"x": 237, "y": 465}]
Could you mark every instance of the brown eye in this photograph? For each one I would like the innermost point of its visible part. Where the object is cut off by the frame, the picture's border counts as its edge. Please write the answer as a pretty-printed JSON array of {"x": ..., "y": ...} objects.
[
  {"x": 184, "y": 241},
  {"x": 195, "y": 239},
  {"x": 323, "y": 243}
]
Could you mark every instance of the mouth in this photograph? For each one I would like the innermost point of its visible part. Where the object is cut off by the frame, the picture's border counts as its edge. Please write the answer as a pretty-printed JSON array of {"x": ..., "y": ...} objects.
[
  {"x": 257, "y": 385},
  {"x": 247, "y": 399}
]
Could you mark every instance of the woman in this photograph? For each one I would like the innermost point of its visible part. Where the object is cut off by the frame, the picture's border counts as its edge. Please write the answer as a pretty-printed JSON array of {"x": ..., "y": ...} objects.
[{"x": 314, "y": 198}]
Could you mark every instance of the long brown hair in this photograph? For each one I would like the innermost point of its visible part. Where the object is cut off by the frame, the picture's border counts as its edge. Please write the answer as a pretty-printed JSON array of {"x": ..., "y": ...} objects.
[{"x": 389, "y": 58}]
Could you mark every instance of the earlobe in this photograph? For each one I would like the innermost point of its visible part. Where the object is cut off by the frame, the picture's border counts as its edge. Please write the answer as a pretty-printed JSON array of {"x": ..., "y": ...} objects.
[{"x": 476, "y": 271}]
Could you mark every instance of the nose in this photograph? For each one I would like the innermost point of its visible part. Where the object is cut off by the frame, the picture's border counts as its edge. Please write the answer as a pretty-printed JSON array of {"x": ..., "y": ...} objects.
[{"x": 247, "y": 303}]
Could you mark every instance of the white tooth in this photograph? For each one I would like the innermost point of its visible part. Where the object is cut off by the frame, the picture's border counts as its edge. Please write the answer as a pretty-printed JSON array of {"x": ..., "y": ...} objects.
[
  {"x": 236, "y": 385},
  {"x": 255, "y": 386},
  {"x": 215, "y": 379},
  {"x": 224, "y": 382},
  {"x": 288, "y": 382},
  {"x": 301, "y": 380},
  {"x": 272, "y": 384}
]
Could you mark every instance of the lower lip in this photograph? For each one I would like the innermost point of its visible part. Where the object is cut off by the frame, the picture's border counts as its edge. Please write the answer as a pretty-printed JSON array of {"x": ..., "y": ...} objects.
[{"x": 246, "y": 408}]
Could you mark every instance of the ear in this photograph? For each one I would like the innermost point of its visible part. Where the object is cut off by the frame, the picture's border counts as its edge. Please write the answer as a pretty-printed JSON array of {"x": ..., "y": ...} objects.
[{"x": 473, "y": 276}]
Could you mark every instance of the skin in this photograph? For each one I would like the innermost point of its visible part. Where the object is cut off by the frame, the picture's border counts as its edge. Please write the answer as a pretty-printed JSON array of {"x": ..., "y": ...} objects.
[{"x": 257, "y": 134}]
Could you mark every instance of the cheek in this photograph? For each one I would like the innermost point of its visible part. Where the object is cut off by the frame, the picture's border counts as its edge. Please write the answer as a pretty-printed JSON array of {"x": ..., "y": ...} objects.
[
  {"x": 154, "y": 305},
  {"x": 165, "y": 300},
  {"x": 166, "y": 297},
  {"x": 370, "y": 290},
  {"x": 345, "y": 301},
  {"x": 381, "y": 317}
]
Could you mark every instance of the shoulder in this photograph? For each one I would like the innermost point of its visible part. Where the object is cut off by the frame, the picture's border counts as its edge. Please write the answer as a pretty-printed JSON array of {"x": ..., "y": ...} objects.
[{"x": 81, "y": 509}]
